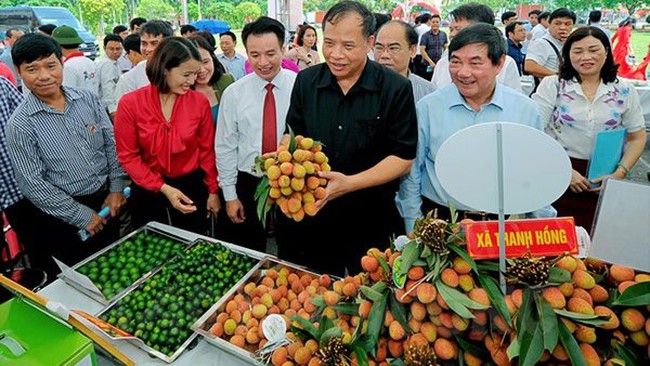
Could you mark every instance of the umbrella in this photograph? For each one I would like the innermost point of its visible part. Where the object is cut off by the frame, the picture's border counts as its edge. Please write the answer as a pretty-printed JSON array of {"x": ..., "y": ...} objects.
[{"x": 211, "y": 25}]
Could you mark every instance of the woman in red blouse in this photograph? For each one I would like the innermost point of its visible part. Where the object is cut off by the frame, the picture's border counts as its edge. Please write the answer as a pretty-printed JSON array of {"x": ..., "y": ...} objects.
[{"x": 165, "y": 141}]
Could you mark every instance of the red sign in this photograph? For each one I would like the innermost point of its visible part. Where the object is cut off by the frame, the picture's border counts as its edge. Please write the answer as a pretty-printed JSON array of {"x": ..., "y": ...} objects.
[{"x": 540, "y": 237}]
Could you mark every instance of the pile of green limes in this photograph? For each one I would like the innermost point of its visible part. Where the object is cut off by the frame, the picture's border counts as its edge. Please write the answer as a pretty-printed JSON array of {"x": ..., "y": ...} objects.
[
  {"x": 122, "y": 265},
  {"x": 162, "y": 310}
]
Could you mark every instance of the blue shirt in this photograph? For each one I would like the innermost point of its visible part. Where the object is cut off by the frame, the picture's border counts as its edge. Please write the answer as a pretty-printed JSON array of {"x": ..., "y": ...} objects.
[
  {"x": 10, "y": 98},
  {"x": 440, "y": 115},
  {"x": 516, "y": 53},
  {"x": 235, "y": 65},
  {"x": 60, "y": 155}
]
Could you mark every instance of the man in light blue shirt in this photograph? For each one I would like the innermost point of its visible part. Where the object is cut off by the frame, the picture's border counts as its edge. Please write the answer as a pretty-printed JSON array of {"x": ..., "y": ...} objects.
[
  {"x": 234, "y": 62},
  {"x": 477, "y": 54},
  {"x": 594, "y": 21}
]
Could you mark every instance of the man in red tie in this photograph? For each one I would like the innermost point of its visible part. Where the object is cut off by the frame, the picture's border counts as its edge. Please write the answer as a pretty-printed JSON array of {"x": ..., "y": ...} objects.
[{"x": 251, "y": 121}]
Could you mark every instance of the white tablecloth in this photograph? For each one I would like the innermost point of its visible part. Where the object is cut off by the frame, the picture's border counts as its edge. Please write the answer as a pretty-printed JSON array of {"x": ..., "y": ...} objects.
[{"x": 204, "y": 354}]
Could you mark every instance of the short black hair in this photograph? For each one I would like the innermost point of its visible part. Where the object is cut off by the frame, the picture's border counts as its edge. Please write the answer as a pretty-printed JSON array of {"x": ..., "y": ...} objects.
[
  {"x": 136, "y": 22},
  {"x": 119, "y": 29},
  {"x": 229, "y": 34},
  {"x": 10, "y": 31},
  {"x": 157, "y": 28},
  {"x": 208, "y": 37},
  {"x": 201, "y": 42},
  {"x": 543, "y": 15},
  {"x": 263, "y": 25},
  {"x": 300, "y": 34},
  {"x": 170, "y": 53},
  {"x": 609, "y": 69},
  {"x": 132, "y": 43},
  {"x": 112, "y": 38},
  {"x": 380, "y": 19},
  {"x": 32, "y": 47},
  {"x": 510, "y": 28},
  {"x": 595, "y": 16},
  {"x": 47, "y": 28},
  {"x": 435, "y": 16},
  {"x": 188, "y": 28},
  {"x": 482, "y": 33},
  {"x": 423, "y": 18},
  {"x": 410, "y": 33},
  {"x": 72, "y": 46},
  {"x": 562, "y": 13},
  {"x": 473, "y": 13},
  {"x": 340, "y": 10},
  {"x": 535, "y": 11},
  {"x": 507, "y": 15}
]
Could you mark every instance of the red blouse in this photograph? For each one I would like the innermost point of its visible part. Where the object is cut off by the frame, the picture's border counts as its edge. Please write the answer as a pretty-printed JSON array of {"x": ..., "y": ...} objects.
[{"x": 150, "y": 148}]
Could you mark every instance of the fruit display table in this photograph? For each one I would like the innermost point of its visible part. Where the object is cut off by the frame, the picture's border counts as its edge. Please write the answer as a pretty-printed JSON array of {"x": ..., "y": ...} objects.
[{"x": 202, "y": 354}]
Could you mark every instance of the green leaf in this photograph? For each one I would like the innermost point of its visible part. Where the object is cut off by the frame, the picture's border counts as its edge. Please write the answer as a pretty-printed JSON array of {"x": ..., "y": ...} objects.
[
  {"x": 420, "y": 263},
  {"x": 306, "y": 325},
  {"x": 472, "y": 348},
  {"x": 463, "y": 254},
  {"x": 455, "y": 306},
  {"x": 347, "y": 308},
  {"x": 399, "y": 312},
  {"x": 513, "y": 349},
  {"x": 334, "y": 332},
  {"x": 376, "y": 322},
  {"x": 635, "y": 295},
  {"x": 410, "y": 253},
  {"x": 357, "y": 334},
  {"x": 324, "y": 324},
  {"x": 437, "y": 265},
  {"x": 362, "y": 355},
  {"x": 262, "y": 207},
  {"x": 594, "y": 320},
  {"x": 384, "y": 265},
  {"x": 317, "y": 300},
  {"x": 292, "y": 141},
  {"x": 370, "y": 294},
  {"x": 627, "y": 355},
  {"x": 559, "y": 275},
  {"x": 426, "y": 252},
  {"x": 461, "y": 298},
  {"x": 488, "y": 267},
  {"x": 453, "y": 212},
  {"x": 547, "y": 322},
  {"x": 397, "y": 362},
  {"x": 526, "y": 317},
  {"x": 379, "y": 286},
  {"x": 496, "y": 297},
  {"x": 571, "y": 346},
  {"x": 262, "y": 186},
  {"x": 531, "y": 348}
]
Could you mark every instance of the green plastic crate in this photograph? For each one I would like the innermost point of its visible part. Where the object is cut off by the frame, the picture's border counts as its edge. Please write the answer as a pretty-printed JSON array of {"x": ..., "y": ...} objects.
[{"x": 46, "y": 340}]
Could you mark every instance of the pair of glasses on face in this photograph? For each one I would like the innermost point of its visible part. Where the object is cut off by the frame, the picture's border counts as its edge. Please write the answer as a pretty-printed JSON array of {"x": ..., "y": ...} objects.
[{"x": 392, "y": 49}]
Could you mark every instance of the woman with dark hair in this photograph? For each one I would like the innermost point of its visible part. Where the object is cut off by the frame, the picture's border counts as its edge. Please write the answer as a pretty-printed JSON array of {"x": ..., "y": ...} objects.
[
  {"x": 165, "y": 142},
  {"x": 622, "y": 47},
  {"x": 303, "y": 55},
  {"x": 212, "y": 80},
  {"x": 583, "y": 100}
]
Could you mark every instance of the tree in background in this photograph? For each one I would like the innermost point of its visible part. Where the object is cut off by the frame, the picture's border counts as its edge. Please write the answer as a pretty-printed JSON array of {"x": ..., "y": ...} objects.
[
  {"x": 156, "y": 9},
  {"x": 97, "y": 13},
  {"x": 246, "y": 12}
]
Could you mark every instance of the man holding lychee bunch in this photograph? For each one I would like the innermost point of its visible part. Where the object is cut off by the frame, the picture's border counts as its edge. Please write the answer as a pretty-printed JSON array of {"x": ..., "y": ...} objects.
[
  {"x": 364, "y": 115},
  {"x": 251, "y": 120}
]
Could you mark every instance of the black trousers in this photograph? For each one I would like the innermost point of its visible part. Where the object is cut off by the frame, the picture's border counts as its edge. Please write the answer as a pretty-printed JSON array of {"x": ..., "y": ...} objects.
[
  {"x": 146, "y": 206},
  {"x": 250, "y": 234},
  {"x": 45, "y": 236},
  {"x": 341, "y": 233}
]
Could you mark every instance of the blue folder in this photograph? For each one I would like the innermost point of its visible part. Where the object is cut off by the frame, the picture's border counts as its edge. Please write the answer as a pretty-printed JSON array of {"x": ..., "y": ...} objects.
[{"x": 608, "y": 150}]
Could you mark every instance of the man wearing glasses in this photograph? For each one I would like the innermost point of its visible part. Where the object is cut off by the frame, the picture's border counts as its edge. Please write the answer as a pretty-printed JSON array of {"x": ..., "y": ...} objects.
[{"x": 394, "y": 48}]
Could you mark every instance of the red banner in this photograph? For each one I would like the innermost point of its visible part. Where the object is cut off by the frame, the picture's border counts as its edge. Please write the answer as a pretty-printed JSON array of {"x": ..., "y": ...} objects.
[{"x": 540, "y": 237}]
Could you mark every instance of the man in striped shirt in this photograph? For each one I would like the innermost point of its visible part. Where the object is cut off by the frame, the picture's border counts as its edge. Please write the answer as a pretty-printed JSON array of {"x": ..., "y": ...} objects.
[{"x": 62, "y": 149}]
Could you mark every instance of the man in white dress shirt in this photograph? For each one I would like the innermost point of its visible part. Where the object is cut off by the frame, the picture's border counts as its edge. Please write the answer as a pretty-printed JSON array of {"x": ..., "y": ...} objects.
[
  {"x": 108, "y": 70},
  {"x": 240, "y": 127},
  {"x": 151, "y": 33},
  {"x": 78, "y": 71},
  {"x": 541, "y": 28},
  {"x": 545, "y": 54},
  {"x": 464, "y": 16}
]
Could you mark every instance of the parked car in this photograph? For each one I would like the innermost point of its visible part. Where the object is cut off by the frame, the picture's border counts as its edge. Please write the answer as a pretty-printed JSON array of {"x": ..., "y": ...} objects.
[{"x": 29, "y": 18}]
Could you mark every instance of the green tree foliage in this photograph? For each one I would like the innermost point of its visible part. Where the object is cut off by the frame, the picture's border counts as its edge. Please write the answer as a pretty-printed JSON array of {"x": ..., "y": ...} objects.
[
  {"x": 156, "y": 9},
  {"x": 222, "y": 11},
  {"x": 246, "y": 12},
  {"x": 99, "y": 12}
]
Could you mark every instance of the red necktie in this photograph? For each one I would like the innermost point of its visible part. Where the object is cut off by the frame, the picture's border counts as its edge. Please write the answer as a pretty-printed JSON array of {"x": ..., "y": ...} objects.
[{"x": 269, "y": 128}]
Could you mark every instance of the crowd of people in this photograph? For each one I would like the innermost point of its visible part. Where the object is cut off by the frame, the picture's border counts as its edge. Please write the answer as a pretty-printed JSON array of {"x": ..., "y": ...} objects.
[{"x": 182, "y": 125}]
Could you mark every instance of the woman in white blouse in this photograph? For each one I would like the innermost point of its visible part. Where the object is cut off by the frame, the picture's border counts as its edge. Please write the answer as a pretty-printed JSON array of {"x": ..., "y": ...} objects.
[{"x": 583, "y": 99}]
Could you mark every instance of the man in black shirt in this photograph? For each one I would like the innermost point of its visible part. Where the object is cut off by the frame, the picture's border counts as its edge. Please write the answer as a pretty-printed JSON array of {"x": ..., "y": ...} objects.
[{"x": 364, "y": 113}]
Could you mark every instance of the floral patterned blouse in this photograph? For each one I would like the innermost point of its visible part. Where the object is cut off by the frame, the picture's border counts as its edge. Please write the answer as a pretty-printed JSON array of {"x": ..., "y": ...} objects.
[{"x": 574, "y": 121}]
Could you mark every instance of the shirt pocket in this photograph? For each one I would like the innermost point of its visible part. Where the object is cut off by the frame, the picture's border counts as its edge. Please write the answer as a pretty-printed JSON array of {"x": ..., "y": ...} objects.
[
  {"x": 366, "y": 134},
  {"x": 94, "y": 135}
]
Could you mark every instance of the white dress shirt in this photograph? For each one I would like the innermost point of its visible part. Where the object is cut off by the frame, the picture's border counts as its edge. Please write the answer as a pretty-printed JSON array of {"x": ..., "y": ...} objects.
[
  {"x": 421, "y": 29},
  {"x": 124, "y": 63},
  {"x": 239, "y": 125},
  {"x": 509, "y": 75},
  {"x": 133, "y": 79},
  {"x": 109, "y": 74},
  {"x": 538, "y": 32},
  {"x": 543, "y": 54},
  {"x": 81, "y": 72}
]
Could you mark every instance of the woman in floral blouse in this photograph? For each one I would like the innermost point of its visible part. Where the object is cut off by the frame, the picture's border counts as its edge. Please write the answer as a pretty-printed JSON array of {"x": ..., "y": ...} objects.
[{"x": 584, "y": 99}]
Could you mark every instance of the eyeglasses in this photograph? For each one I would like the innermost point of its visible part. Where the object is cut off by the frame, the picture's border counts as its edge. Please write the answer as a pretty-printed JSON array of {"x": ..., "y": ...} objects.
[{"x": 392, "y": 49}]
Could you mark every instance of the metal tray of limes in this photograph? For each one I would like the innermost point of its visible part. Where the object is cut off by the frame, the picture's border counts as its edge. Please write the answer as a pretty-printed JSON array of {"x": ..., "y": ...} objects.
[
  {"x": 159, "y": 309},
  {"x": 114, "y": 269},
  {"x": 204, "y": 324}
]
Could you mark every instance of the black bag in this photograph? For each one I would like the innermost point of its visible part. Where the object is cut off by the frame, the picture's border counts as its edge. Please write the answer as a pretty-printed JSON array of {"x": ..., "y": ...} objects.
[{"x": 559, "y": 60}]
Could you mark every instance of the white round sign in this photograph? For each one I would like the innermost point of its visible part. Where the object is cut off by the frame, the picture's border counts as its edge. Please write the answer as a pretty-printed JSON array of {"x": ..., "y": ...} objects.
[{"x": 536, "y": 168}]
